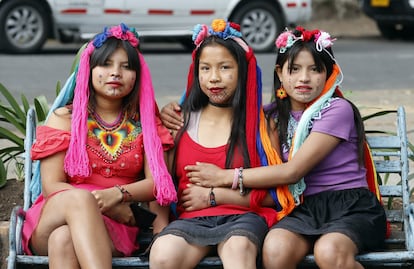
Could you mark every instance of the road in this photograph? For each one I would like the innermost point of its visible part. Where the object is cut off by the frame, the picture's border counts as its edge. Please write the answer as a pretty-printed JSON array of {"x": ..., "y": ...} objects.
[{"x": 367, "y": 64}]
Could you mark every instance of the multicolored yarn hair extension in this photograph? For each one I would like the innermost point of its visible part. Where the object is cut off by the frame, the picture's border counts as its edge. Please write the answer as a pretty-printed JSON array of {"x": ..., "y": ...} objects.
[
  {"x": 76, "y": 159},
  {"x": 229, "y": 30},
  {"x": 258, "y": 142}
]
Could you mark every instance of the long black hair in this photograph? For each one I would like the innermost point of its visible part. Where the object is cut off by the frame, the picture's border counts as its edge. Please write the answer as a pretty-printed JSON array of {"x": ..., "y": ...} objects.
[{"x": 196, "y": 99}]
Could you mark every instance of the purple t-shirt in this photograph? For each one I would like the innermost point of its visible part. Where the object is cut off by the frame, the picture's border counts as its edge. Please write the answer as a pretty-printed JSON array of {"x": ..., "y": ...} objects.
[{"x": 340, "y": 169}]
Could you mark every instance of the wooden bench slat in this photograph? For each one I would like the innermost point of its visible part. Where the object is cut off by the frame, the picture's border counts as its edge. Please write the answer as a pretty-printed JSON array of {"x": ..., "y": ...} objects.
[
  {"x": 396, "y": 240},
  {"x": 381, "y": 142},
  {"x": 389, "y": 166},
  {"x": 391, "y": 191},
  {"x": 383, "y": 257},
  {"x": 127, "y": 261},
  {"x": 394, "y": 215}
]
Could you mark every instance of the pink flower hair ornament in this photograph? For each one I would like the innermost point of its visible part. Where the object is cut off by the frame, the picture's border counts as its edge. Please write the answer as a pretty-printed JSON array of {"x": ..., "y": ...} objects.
[
  {"x": 122, "y": 32},
  {"x": 286, "y": 39}
]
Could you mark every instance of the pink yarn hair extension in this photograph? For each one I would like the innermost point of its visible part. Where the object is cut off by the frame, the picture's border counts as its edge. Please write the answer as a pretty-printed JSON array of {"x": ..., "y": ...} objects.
[
  {"x": 76, "y": 159},
  {"x": 164, "y": 187}
]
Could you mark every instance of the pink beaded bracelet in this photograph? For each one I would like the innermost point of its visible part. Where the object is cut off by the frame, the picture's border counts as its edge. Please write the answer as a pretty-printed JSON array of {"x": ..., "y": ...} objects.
[{"x": 235, "y": 179}]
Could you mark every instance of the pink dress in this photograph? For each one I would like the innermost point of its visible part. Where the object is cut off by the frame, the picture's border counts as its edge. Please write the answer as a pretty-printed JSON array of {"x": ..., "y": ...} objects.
[{"x": 115, "y": 157}]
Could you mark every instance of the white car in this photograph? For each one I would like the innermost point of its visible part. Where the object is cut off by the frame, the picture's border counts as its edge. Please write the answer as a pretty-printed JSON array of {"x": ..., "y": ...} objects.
[{"x": 25, "y": 25}]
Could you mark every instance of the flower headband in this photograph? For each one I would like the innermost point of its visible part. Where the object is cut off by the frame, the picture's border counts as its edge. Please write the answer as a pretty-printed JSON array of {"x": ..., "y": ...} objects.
[
  {"x": 76, "y": 159},
  {"x": 221, "y": 29},
  {"x": 286, "y": 39},
  {"x": 121, "y": 31}
]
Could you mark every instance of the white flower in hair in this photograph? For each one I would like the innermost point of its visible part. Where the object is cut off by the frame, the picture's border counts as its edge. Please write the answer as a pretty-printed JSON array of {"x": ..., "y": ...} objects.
[{"x": 323, "y": 40}]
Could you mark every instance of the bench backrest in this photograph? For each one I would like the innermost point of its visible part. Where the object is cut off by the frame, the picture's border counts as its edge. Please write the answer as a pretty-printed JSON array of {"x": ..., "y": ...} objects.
[{"x": 391, "y": 161}]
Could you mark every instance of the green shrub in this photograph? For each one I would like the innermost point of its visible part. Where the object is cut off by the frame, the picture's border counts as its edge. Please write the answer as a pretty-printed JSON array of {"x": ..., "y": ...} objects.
[
  {"x": 13, "y": 125},
  {"x": 13, "y": 128}
]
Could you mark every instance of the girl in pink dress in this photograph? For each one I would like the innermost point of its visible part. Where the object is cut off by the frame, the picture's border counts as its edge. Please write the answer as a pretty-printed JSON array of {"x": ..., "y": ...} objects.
[{"x": 100, "y": 151}]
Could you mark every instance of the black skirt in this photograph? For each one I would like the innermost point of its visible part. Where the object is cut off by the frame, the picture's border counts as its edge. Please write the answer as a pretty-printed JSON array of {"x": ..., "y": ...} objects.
[
  {"x": 208, "y": 231},
  {"x": 356, "y": 213}
]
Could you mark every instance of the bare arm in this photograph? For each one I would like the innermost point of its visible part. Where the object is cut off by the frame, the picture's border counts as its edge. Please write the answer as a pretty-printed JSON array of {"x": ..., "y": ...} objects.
[
  {"x": 316, "y": 147},
  {"x": 139, "y": 191},
  {"x": 115, "y": 204},
  {"x": 51, "y": 168}
]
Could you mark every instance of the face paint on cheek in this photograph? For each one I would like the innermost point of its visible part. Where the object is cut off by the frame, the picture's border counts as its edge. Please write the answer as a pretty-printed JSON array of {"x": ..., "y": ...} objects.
[
  {"x": 319, "y": 81},
  {"x": 289, "y": 82},
  {"x": 320, "y": 84},
  {"x": 100, "y": 79}
]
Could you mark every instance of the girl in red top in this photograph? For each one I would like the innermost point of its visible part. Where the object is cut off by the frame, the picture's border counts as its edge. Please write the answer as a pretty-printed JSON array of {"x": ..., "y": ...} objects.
[{"x": 222, "y": 114}]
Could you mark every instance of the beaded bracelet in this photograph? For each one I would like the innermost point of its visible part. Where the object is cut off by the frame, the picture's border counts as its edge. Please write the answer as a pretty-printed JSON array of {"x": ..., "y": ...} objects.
[
  {"x": 242, "y": 192},
  {"x": 212, "y": 197},
  {"x": 126, "y": 195}
]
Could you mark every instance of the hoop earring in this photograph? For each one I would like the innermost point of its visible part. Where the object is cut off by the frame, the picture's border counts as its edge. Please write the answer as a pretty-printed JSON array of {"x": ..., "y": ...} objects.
[{"x": 281, "y": 93}]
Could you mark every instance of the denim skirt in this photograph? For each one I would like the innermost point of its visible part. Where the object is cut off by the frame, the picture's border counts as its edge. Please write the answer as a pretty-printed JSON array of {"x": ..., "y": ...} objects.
[{"x": 212, "y": 230}]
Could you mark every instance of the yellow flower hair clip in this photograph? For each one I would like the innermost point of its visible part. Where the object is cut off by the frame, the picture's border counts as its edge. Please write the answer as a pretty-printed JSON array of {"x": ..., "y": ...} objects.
[{"x": 219, "y": 28}]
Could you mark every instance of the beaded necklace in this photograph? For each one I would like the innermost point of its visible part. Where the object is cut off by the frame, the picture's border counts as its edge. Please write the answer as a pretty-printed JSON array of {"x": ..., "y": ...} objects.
[
  {"x": 294, "y": 117},
  {"x": 114, "y": 138},
  {"x": 109, "y": 127}
]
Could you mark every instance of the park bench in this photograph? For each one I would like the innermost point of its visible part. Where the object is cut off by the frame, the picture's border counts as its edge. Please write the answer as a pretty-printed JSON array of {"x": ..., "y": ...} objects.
[{"x": 390, "y": 153}]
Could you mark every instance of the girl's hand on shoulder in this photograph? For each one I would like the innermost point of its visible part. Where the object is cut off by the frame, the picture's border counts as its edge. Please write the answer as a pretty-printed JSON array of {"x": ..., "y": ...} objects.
[
  {"x": 107, "y": 198},
  {"x": 207, "y": 175},
  {"x": 195, "y": 197},
  {"x": 171, "y": 116}
]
